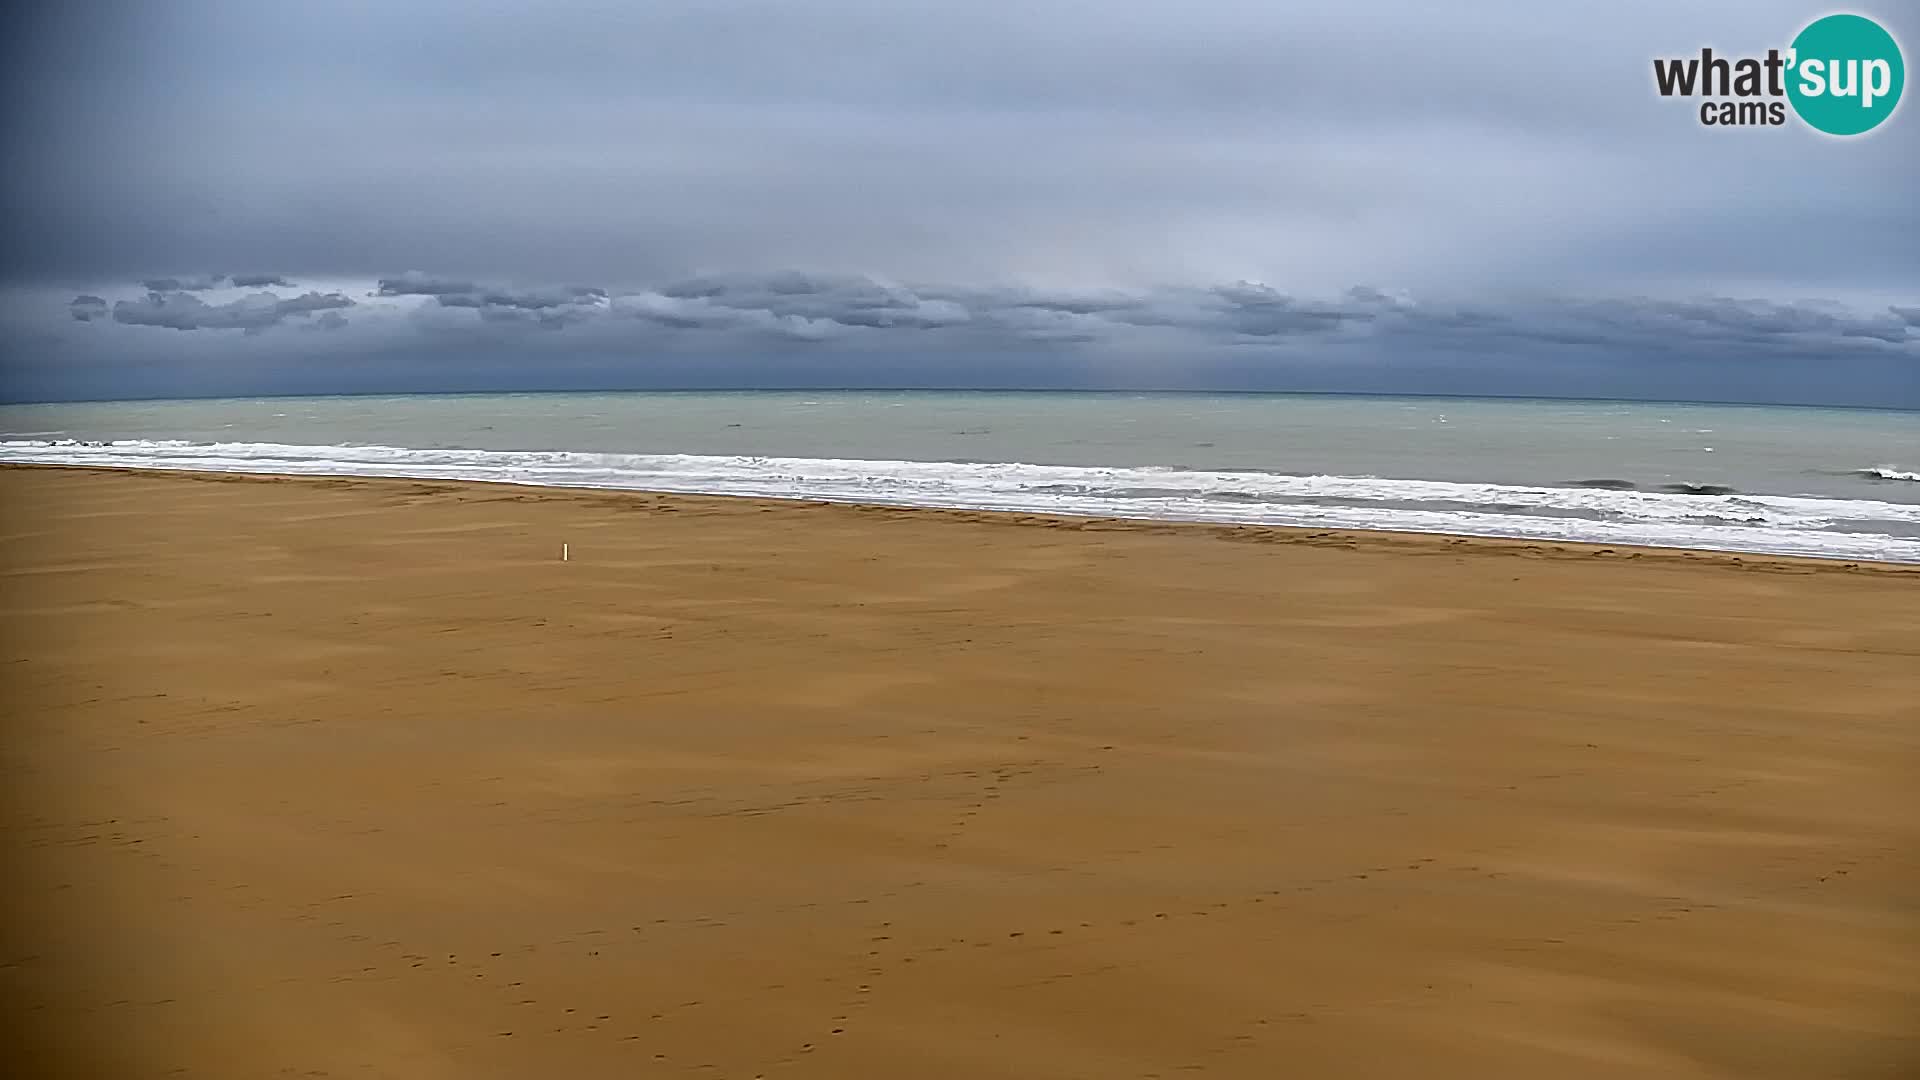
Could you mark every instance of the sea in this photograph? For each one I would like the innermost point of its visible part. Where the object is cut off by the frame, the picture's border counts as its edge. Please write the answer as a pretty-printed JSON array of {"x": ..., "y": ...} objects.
[{"x": 1828, "y": 483}]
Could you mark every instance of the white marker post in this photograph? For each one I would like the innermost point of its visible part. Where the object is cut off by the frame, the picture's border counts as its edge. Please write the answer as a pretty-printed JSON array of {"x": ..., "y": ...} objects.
[{"x": 563, "y": 553}]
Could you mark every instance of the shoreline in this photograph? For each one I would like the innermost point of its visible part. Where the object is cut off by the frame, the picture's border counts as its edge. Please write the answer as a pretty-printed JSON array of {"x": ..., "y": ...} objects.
[{"x": 1373, "y": 539}]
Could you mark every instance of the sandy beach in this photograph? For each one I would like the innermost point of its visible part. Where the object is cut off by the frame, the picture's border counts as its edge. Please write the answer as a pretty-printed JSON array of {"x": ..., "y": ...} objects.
[{"x": 357, "y": 778}]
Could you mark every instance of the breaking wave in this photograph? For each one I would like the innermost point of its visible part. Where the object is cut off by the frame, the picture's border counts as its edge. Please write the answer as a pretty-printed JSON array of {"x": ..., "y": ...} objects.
[{"x": 1599, "y": 512}]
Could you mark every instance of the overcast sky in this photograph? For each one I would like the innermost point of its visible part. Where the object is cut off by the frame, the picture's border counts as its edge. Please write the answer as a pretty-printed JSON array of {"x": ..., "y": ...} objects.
[{"x": 254, "y": 197}]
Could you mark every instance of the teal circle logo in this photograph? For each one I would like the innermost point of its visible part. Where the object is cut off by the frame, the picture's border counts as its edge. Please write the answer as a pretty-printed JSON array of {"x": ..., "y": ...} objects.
[{"x": 1845, "y": 74}]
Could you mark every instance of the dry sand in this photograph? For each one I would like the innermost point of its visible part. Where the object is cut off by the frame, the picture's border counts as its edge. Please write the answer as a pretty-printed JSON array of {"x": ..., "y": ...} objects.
[{"x": 344, "y": 778}]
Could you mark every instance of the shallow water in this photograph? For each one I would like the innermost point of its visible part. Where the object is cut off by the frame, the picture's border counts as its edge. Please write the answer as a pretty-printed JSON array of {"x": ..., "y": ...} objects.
[{"x": 1842, "y": 483}]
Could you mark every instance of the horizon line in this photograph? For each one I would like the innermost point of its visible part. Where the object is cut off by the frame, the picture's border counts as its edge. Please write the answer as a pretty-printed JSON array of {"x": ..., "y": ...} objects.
[{"x": 1167, "y": 391}]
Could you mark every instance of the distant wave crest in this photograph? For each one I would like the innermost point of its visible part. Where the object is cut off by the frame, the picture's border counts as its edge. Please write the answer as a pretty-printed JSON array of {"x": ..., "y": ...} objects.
[{"x": 1889, "y": 472}]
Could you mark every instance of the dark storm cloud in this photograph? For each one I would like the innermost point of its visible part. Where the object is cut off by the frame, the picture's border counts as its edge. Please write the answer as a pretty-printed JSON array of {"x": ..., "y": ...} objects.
[
  {"x": 859, "y": 312},
  {"x": 253, "y": 313},
  {"x": 88, "y": 308},
  {"x": 260, "y": 281},
  {"x": 794, "y": 329}
]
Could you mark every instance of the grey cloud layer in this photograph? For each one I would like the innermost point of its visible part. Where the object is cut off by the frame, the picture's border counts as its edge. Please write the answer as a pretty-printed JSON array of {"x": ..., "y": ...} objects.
[
  {"x": 181, "y": 310},
  {"x": 1501, "y": 175},
  {"x": 1471, "y": 147},
  {"x": 551, "y": 307},
  {"x": 850, "y": 310}
]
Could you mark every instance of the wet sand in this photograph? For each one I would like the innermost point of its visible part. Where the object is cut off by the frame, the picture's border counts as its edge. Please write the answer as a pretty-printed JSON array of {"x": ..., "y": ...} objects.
[{"x": 345, "y": 778}]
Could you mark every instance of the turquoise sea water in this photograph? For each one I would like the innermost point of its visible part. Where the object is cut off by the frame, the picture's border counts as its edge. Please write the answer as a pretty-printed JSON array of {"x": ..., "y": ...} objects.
[{"x": 1843, "y": 483}]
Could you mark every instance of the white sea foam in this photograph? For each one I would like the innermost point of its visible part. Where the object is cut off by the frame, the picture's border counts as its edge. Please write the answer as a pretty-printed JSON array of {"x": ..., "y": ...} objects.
[
  {"x": 1891, "y": 472},
  {"x": 1791, "y": 525}
]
